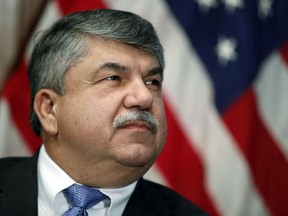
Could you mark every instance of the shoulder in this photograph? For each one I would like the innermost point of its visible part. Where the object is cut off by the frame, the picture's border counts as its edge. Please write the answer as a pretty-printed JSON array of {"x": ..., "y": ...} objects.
[
  {"x": 12, "y": 167},
  {"x": 162, "y": 199},
  {"x": 18, "y": 175},
  {"x": 9, "y": 162},
  {"x": 10, "y": 171}
]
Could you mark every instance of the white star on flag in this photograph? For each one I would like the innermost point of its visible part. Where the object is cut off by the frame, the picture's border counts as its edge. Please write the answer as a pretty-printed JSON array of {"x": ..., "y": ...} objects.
[
  {"x": 265, "y": 8},
  {"x": 231, "y": 5},
  {"x": 225, "y": 50},
  {"x": 205, "y": 5}
]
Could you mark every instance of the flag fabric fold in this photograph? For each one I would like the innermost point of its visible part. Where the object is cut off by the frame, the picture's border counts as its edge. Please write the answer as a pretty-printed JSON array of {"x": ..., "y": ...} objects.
[{"x": 225, "y": 91}]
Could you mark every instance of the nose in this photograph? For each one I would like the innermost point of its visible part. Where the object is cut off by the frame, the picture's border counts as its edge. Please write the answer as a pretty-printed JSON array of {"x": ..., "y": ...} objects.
[{"x": 138, "y": 96}]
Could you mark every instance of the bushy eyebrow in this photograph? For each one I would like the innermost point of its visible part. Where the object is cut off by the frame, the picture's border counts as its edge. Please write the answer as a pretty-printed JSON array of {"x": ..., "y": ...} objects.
[
  {"x": 155, "y": 71},
  {"x": 113, "y": 66},
  {"x": 122, "y": 68}
]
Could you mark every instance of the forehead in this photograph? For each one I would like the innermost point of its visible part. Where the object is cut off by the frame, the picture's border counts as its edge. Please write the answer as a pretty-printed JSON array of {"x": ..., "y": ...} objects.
[
  {"x": 102, "y": 51},
  {"x": 112, "y": 44}
]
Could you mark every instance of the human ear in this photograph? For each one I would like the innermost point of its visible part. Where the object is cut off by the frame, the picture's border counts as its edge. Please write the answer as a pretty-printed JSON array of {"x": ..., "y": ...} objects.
[{"x": 45, "y": 108}]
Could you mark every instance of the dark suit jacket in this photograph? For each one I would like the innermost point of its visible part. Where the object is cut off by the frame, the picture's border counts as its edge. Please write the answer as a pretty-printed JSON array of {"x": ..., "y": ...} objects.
[{"x": 18, "y": 193}]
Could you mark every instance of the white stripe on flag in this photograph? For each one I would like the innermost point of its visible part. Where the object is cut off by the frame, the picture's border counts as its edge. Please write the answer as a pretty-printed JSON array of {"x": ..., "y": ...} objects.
[
  {"x": 11, "y": 143},
  {"x": 155, "y": 174},
  {"x": 49, "y": 16},
  {"x": 272, "y": 89}
]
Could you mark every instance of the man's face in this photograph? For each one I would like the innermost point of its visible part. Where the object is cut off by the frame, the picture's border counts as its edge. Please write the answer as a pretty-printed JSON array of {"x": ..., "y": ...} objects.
[{"x": 113, "y": 80}]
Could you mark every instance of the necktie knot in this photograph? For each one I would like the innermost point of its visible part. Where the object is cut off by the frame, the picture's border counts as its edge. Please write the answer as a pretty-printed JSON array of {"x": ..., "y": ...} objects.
[{"x": 81, "y": 199}]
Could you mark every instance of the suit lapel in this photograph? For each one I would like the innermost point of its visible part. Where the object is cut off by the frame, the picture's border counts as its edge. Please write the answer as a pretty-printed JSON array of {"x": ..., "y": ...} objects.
[
  {"x": 18, "y": 191},
  {"x": 145, "y": 201}
]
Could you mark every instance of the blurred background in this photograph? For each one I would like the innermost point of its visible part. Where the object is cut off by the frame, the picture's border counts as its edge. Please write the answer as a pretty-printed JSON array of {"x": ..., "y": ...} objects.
[
  {"x": 17, "y": 19},
  {"x": 225, "y": 91}
]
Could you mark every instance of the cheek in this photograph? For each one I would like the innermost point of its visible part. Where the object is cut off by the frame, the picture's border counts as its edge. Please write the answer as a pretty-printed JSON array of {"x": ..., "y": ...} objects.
[
  {"x": 161, "y": 117},
  {"x": 93, "y": 121},
  {"x": 79, "y": 119},
  {"x": 162, "y": 131}
]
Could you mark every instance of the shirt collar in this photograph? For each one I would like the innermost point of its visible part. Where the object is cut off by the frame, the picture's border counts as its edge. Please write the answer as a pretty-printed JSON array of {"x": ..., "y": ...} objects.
[{"x": 52, "y": 180}]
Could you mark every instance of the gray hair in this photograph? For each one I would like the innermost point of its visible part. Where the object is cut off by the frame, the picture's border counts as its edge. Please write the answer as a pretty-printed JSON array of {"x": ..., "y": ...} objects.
[{"x": 65, "y": 45}]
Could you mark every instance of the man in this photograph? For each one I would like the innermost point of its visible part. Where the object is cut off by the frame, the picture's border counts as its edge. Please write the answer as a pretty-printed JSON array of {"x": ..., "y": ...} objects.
[{"x": 96, "y": 88}]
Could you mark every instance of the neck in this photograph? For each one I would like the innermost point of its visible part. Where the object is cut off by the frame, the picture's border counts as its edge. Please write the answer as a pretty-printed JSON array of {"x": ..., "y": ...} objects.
[{"x": 95, "y": 173}]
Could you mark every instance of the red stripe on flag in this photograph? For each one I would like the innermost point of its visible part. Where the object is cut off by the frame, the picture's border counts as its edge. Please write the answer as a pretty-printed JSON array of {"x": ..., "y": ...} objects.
[
  {"x": 284, "y": 53},
  {"x": 268, "y": 165},
  {"x": 70, "y": 6},
  {"x": 17, "y": 93},
  {"x": 182, "y": 167}
]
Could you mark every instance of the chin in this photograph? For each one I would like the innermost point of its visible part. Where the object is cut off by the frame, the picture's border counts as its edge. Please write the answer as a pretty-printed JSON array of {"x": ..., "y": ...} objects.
[
  {"x": 137, "y": 158},
  {"x": 137, "y": 163}
]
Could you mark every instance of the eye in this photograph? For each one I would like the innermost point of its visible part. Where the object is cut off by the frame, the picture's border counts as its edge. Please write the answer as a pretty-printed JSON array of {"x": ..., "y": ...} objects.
[
  {"x": 154, "y": 83},
  {"x": 113, "y": 78}
]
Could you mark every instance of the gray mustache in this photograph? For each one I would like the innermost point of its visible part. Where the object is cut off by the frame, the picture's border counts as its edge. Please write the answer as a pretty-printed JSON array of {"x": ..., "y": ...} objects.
[{"x": 137, "y": 115}]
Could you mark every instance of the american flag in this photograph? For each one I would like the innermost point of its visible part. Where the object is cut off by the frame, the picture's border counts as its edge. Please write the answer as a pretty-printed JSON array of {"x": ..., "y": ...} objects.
[{"x": 224, "y": 91}]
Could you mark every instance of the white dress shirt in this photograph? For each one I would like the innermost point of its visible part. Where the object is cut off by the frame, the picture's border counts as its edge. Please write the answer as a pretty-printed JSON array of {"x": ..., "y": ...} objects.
[{"x": 52, "y": 180}]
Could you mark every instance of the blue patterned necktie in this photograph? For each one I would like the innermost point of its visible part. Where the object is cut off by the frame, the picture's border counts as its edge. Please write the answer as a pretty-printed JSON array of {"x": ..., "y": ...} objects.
[{"x": 81, "y": 199}]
